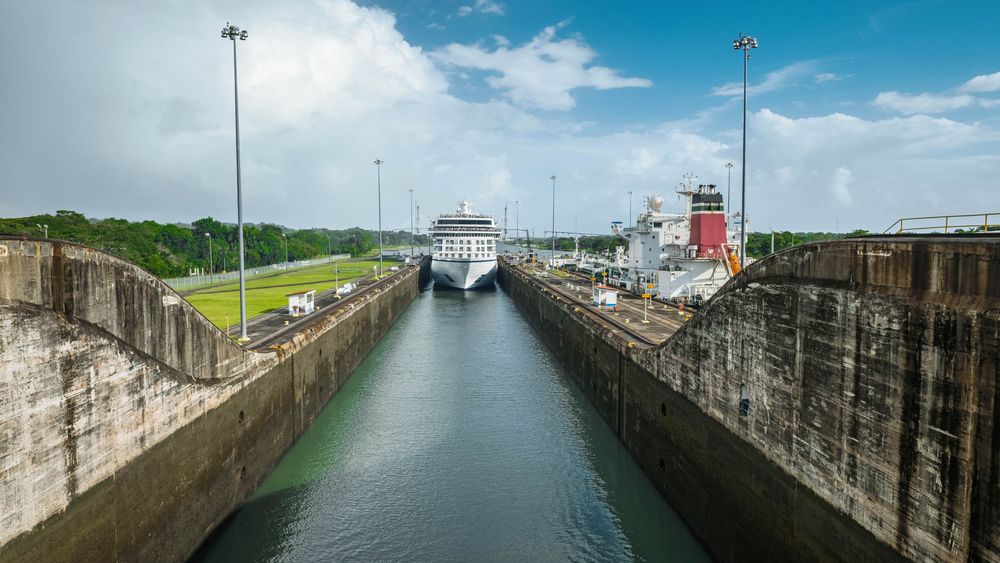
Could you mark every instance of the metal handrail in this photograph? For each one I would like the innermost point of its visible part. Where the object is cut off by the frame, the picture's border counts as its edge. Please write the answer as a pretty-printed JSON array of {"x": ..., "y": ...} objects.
[{"x": 985, "y": 224}]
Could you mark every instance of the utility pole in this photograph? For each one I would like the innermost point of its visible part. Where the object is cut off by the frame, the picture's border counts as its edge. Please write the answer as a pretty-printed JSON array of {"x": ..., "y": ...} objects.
[
  {"x": 378, "y": 167},
  {"x": 744, "y": 42},
  {"x": 552, "y": 260},
  {"x": 232, "y": 33}
]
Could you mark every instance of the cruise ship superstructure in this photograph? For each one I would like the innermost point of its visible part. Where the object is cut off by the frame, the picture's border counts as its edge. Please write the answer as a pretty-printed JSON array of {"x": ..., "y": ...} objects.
[
  {"x": 685, "y": 256},
  {"x": 465, "y": 251}
]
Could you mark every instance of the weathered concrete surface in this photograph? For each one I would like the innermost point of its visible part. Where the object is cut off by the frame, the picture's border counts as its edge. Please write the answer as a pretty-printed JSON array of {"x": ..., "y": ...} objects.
[
  {"x": 871, "y": 367},
  {"x": 129, "y": 425}
]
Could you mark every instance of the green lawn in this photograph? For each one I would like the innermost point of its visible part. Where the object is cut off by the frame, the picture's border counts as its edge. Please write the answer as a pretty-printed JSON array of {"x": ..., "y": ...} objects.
[{"x": 221, "y": 303}]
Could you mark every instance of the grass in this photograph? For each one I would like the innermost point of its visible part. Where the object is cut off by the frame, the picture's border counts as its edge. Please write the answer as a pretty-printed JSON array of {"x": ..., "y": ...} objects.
[{"x": 221, "y": 303}]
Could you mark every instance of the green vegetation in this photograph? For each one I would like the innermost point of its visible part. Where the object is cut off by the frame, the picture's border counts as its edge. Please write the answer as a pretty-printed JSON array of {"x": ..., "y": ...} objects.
[
  {"x": 589, "y": 244},
  {"x": 759, "y": 244},
  {"x": 221, "y": 303},
  {"x": 173, "y": 250}
]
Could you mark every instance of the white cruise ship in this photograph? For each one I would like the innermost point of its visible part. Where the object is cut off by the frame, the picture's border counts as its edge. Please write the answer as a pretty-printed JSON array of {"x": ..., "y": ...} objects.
[{"x": 465, "y": 249}]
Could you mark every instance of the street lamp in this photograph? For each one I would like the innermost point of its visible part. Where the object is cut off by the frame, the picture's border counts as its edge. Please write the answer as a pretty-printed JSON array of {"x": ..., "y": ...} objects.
[
  {"x": 517, "y": 224},
  {"x": 378, "y": 167},
  {"x": 211, "y": 263},
  {"x": 630, "y": 207},
  {"x": 411, "y": 222},
  {"x": 552, "y": 260},
  {"x": 729, "y": 185},
  {"x": 744, "y": 42},
  {"x": 233, "y": 33},
  {"x": 285, "y": 238},
  {"x": 44, "y": 228}
]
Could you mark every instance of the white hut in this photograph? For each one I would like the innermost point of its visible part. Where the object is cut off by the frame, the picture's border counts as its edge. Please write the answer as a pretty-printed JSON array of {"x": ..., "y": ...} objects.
[{"x": 301, "y": 302}]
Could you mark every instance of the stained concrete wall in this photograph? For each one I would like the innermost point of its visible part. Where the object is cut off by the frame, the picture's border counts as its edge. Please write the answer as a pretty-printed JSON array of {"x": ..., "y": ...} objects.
[
  {"x": 872, "y": 369},
  {"x": 129, "y": 426}
]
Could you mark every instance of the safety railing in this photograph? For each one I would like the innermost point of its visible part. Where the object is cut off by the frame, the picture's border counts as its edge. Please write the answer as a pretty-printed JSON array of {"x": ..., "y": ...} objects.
[
  {"x": 973, "y": 222},
  {"x": 192, "y": 282}
]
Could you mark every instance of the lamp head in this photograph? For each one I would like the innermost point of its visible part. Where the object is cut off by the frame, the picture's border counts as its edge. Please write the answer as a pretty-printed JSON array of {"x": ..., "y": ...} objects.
[{"x": 243, "y": 36}]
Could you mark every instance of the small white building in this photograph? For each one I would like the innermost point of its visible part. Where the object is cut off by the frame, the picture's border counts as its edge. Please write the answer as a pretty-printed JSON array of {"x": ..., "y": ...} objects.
[
  {"x": 605, "y": 297},
  {"x": 301, "y": 302}
]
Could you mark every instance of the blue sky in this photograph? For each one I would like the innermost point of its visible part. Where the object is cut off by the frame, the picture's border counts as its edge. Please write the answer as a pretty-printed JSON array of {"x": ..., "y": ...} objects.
[{"x": 860, "y": 112}]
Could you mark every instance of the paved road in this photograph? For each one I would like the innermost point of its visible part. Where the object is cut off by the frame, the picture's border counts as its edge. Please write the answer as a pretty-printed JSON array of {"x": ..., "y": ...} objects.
[{"x": 663, "y": 319}]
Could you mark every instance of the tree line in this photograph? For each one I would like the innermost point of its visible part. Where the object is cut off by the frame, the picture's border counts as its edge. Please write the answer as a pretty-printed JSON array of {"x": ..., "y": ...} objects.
[{"x": 173, "y": 250}]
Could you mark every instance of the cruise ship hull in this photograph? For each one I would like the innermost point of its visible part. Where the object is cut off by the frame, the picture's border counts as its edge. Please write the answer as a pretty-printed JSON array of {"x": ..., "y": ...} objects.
[{"x": 463, "y": 274}]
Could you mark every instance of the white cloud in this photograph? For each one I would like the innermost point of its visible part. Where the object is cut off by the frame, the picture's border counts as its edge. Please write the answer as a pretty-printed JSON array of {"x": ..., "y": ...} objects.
[
  {"x": 982, "y": 83},
  {"x": 840, "y": 183},
  {"x": 827, "y": 77},
  {"x": 939, "y": 103},
  {"x": 772, "y": 81},
  {"x": 540, "y": 73},
  {"x": 487, "y": 7},
  {"x": 319, "y": 103},
  {"x": 922, "y": 103}
]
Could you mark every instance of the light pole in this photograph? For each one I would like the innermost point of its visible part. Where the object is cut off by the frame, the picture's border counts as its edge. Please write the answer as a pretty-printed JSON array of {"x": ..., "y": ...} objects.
[
  {"x": 232, "y": 33},
  {"x": 552, "y": 260},
  {"x": 329, "y": 248},
  {"x": 44, "y": 228},
  {"x": 744, "y": 42},
  {"x": 517, "y": 224},
  {"x": 630, "y": 208},
  {"x": 211, "y": 264},
  {"x": 378, "y": 172},
  {"x": 729, "y": 185},
  {"x": 284, "y": 237},
  {"x": 411, "y": 222}
]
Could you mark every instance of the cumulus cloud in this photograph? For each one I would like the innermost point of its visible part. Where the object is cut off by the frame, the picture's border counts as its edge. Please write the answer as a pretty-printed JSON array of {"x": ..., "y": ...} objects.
[
  {"x": 982, "y": 83},
  {"x": 940, "y": 103},
  {"x": 922, "y": 103},
  {"x": 146, "y": 130},
  {"x": 840, "y": 182},
  {"x": 487, "y": 7},
  {"x": 773, "y": 80},
  {"x": 541, "y": 73}
]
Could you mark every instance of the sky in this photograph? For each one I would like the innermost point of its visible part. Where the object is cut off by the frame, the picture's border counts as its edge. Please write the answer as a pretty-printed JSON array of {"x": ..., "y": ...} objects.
[{"x": 859, "y": 112}]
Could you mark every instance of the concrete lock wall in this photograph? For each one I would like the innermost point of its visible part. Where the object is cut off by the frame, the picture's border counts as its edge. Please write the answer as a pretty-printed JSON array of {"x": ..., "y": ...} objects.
[
  {"x": 871, "y": 367},
  {"x": 130, "y": 427}
]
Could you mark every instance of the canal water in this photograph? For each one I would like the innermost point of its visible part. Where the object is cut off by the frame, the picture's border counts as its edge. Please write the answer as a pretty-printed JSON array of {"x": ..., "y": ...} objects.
[{"x": 459, "y": 438}]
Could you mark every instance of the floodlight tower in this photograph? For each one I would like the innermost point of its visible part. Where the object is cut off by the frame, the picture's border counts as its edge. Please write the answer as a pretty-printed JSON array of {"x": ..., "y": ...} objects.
[
  {"x": 211, "y": 263},
  {"x": 233, "y": 33},
  {"x": 552, "y": 260},
  {"x": 378, "y": 166},
  {"x": 744, "y": 42}
]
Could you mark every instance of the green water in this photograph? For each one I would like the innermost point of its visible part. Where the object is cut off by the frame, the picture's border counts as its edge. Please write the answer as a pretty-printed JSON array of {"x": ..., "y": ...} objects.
[{"x": 460, "y": 438}]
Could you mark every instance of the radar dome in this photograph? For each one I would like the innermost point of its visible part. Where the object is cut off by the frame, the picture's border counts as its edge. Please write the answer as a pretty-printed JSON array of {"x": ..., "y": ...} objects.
[{"x": 655, "y": 202}]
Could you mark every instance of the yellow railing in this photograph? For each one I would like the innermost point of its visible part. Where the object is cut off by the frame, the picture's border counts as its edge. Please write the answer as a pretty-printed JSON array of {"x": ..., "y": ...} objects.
[{"x": 981, "y": 222}]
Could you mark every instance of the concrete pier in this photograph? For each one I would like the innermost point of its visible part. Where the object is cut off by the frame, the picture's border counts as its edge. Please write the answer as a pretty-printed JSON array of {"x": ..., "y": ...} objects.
[
  {"x": 869, "y": 369},
  {"x": 130, "y": 426}
]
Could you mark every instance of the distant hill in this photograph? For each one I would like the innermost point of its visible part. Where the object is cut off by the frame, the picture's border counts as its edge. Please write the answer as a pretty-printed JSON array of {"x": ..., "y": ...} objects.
[{"x": 172, "y": 250}]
